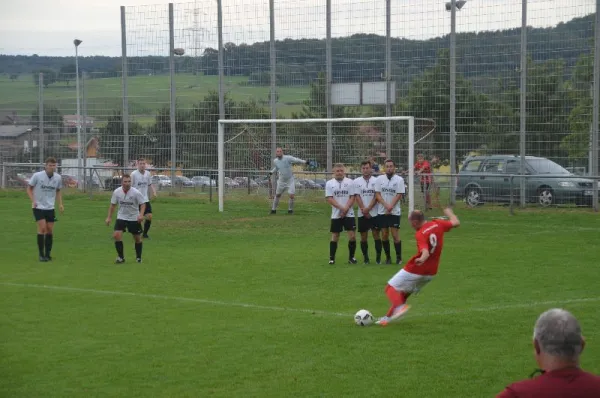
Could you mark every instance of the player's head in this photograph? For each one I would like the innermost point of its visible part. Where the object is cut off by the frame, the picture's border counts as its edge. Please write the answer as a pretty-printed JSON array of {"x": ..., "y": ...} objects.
[
  {"x": 279, "y": 153},
  {"x": 417, "y": 219},
  {"x": 366, "y": 168},
  {"x": 126, "y": 182},
  {"x": 339, "y": 171},
  {"x": 557, "y": 338},
  {"x": 390, "y": 168},
  {"x": 50, "y": 165},
  {"x": 420, "y": 158},
  {"x": 141, "y": 164}
]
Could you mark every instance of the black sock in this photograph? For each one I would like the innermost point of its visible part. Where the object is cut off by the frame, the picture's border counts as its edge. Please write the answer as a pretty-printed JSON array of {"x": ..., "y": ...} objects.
[
  {"x": 147, "y": 226},
  {"x": 138, "y": 250},
  {"x": 352, "y": 248},
  {"x": 332, "y": 250},
  {"x": 40, "y": 240},
  {"x": 364, "y": 248},
  {"x": 378, "y": 248},
  {"x": 48, "y": 244},
  {"x": 119, "y": 247},
  {"x": 386, "y": 248},
  {"x": 398, "y": 247}
]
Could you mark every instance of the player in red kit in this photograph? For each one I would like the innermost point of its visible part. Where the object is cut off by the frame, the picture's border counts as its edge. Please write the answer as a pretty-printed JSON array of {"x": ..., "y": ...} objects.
[
  {"x": 422, "y": 267},
  {"x": 423, "y": 169}
]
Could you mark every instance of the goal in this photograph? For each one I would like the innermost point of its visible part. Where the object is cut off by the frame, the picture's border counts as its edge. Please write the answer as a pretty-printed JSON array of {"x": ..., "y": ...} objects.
[{"x": 246, "y": 149}]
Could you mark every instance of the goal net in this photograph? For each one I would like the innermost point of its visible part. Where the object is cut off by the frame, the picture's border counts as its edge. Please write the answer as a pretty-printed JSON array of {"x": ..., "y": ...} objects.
[{"x": 246, "y": 149}]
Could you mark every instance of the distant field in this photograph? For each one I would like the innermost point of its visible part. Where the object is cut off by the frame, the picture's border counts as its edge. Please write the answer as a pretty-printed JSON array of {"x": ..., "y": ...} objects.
[{"x": 146, "y": 93}]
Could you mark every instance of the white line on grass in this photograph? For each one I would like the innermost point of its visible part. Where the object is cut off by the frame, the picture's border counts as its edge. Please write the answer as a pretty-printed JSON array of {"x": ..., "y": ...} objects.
[{"x": 300, "y": 310}]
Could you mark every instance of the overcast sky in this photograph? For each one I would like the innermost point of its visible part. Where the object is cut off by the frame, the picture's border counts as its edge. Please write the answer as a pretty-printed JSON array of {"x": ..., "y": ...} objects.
[{"x": 48, "y": 27}]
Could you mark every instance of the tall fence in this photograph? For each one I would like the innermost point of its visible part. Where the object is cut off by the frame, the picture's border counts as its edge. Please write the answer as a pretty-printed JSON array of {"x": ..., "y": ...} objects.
[{"x": 477, "y": 81}]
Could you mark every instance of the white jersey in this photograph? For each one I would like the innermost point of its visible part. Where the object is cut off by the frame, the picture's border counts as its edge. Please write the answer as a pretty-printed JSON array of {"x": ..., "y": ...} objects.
[
  {"x": 141, "y": 182},
  {"x": 284, "y": 166},
  {"x": 44, "y": 189},
  {"x": 366, "y": 190},
  {"x": 341, "y": 191},
  {"x": 389, "y": 188},
  {"x": 129, "y": 203}
]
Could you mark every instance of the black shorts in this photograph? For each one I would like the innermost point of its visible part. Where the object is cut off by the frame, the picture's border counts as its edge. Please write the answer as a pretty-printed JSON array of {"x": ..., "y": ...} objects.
[
  {"x": 366, "y": 224},
  {"x": 133, "y": 227},
  {"x": 48, "y": 215},
  {"x": 148, "y": 209},
  {"x": 425, "y": 186},
  {"x": 342, "y": 224},
  {"x": 387, "y": 221}
]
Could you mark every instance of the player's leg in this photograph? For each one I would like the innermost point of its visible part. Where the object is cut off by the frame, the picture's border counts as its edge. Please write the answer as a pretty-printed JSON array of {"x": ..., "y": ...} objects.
[
  {"x": 377, "y": 238},
  {"x": 49, "y": 238},
  {"x": 281, "y": 186},
  {"x": 395, "y": 228},
  {"x": 398, "y": 290},
  {"x": 292, "y": 193},
  {"x": 428, "y": 196},
  {"x": 385, "y": 237},
  {"x": 148, "y": 217},
  {"x": 40, "y": 221},
  {"x": 135, "y": 228},
  {"x": 335, "y": 229},
  {"x": 120, "y": 226},
  {"x": 364, "y": 224},
  {"x": 350, "y": 226}
]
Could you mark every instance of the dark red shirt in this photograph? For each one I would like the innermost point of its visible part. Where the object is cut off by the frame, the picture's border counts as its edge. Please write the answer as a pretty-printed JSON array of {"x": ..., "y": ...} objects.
[{"x": 565, "y": 383}]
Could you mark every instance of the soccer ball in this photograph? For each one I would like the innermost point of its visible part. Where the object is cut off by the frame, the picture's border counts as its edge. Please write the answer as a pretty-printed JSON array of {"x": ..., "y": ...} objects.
[{"x": 363, "y": 318}]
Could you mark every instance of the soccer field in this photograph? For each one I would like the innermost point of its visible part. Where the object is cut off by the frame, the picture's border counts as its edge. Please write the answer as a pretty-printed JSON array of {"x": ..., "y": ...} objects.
[{"x": 244, "y": 304}]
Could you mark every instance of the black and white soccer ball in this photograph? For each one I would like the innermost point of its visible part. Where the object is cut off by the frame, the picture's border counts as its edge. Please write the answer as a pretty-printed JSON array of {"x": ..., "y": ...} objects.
[{"x": 363, "y": 318}]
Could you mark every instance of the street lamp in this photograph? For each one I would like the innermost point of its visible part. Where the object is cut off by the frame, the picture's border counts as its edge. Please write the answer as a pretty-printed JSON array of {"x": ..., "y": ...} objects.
[
  {"x": 77, "y": 42},
  {"x": 452, "y": 6}
]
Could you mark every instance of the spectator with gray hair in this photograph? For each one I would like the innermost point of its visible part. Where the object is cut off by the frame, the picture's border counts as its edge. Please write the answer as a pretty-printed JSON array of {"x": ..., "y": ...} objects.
[{"x": 558, "y": 344}]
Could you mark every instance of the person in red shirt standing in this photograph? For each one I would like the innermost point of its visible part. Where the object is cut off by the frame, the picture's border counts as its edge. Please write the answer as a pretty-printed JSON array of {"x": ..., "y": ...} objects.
[
  {"x": 558, "y": 343},
  {"x": 422, "y": 267},
  {"x": 423, "y": 169}
]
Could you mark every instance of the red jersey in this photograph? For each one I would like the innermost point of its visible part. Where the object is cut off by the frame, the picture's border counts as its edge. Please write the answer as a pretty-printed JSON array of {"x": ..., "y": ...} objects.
[
  {"x": 424, "y": 168},
  {"x": 431, "y": 237},
  {"x": 564, "y": 383}
]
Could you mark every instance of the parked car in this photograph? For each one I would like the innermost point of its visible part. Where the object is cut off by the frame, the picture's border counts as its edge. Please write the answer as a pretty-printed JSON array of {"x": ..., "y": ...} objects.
[
  {"x": 321, "y": 182},
  {"x": 309, "y": 184},
  {"x": 243, "y": 182},
  {"x": 488, "y": 179},
  {"x": 203, "y": 181},
  {"x": 69, "y": 181},
  {"x": 161, "y": 180},
  {"x": 229, "y": 183},
  {"x": 183, "y": 181}
]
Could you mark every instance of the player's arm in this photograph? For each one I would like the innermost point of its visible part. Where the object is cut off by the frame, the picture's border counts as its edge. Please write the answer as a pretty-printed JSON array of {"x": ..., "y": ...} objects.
[
  {"x": 59, "y": 198},
  {"x": 111, "y": 208},
  {"x": 350, "y": 203},
  {"x": 30, "y": 186},
  {"x": 335, "y": 203},
  {"x": 452, "y": 217},
  {"x": 294, "y": 160},
  {"x": 142, "y": 210},
  {"x": 360, "y": 203},
  {"x": 423, "y": 246}
]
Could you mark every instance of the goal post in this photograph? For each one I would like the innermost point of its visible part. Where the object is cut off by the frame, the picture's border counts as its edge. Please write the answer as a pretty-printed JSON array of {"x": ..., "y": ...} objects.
[{"x": 244, "y": 145}]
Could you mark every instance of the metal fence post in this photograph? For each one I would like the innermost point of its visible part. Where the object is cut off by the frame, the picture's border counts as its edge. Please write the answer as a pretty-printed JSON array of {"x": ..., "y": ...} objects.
[
  {"x": 328, "y": 83},
  {"x": 596, "y": 104},
  {"x": 388, "y": 77},
  {"x": 41, "y": 117},
  {"x": 125, "y": 114},
  {"x": 172, "y": 114},
  {"x": 452, "y": 98},
  {"x": 523, "y": 105}
]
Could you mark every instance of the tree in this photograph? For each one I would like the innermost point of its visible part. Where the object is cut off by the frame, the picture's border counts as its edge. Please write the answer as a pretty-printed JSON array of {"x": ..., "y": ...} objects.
[
  {"x": 67, "y": 73},
  {"x": 111, "y": 139},
  {"x": 49, "y": 77}
]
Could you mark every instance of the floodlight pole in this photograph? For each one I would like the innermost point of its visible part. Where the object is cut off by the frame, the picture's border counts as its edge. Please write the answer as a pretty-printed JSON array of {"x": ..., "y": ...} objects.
[
  {"x": 77, "y": 42},
  {"x": 452, "y": 101}
]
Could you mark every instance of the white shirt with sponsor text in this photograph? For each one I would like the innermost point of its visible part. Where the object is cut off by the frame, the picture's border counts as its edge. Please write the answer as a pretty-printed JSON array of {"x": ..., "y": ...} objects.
[
  {"x": 389, "y": 188},
  {"x": 44, "y": 189},
  {"x": 129, "y": 203},
  {"x": 365, "y": 188},
  {"x": 142, "y": 182},
  {"x": 341, "y": 191}
]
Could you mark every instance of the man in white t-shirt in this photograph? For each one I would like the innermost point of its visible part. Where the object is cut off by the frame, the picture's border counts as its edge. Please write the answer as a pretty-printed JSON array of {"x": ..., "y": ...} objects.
[
  {"x": 283, "y": 164},
  {"x": 142, "y": 181},
  {"x": 131, "y": 213},
  {"x": 364, "y": 188},
  {"x": 339, "y": 192},
  {"x": 389, "y": 191},
  {"x": 43, "y": 190}
]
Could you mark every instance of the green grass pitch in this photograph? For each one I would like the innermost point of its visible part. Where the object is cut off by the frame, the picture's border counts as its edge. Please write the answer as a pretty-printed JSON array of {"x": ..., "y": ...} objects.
[{"x": 244, "y": 304}]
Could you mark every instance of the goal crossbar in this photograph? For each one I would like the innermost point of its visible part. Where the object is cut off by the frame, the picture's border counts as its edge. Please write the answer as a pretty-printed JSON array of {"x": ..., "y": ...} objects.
[{"x": 411, "y": 144}]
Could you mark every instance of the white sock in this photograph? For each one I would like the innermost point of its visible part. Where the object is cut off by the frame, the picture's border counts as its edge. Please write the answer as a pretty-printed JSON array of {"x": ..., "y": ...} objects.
[
  {"x": 291, "y": 204},
  {"x": 275, "y": 203}
]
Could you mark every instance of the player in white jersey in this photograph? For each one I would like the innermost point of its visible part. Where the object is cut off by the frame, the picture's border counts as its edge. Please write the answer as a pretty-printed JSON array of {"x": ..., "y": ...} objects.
[
  {"x": 339, "y": 192},
  {"x": 131, "y": 213},
  {"x": 364, "y": 188},
  {"x": 283, "y": 164},
  {"x": 142, "y": 181},
  {"x": 389, "y": 190},
  {"x": 43, "y": 190}
]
